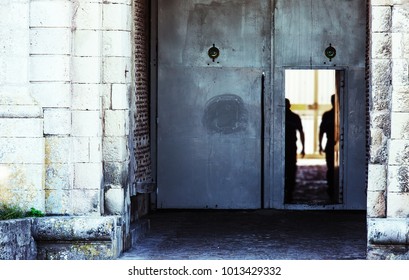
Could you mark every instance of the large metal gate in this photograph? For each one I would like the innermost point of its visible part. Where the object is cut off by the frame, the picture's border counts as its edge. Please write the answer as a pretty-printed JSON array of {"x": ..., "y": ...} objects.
[{"x": 211, "y": 60}]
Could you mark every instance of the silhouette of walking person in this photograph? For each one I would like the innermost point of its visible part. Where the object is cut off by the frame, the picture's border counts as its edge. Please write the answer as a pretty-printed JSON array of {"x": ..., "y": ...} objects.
[
  {"x": 292, "y": 125},
  {"x": 327, "y": 127}
]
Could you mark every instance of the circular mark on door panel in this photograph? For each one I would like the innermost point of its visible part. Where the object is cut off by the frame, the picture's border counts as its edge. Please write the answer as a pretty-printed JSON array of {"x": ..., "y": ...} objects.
[{"x": 225, "y": 114}]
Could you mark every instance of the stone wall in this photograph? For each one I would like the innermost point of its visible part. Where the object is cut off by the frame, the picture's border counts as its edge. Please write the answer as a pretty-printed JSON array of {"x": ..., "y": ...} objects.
[
  {"x": 66, "y": 79},
  {"x": 65, "y": 110},
  {"x": 388, "y": 180},
  {"x": 16, "y": 240},
  {"x": 22, "y": 142}
]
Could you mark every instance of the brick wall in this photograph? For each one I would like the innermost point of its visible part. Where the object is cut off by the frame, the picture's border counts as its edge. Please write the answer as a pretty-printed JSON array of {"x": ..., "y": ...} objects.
[{"x": 142, "y": 150}]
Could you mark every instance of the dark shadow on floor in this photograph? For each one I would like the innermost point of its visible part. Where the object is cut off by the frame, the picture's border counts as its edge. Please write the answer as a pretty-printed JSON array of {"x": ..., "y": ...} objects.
[{"x": 258, "y": 234}]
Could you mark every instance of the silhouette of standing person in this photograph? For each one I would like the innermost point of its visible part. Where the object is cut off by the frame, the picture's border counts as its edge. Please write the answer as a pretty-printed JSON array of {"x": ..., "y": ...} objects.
[
  {"x": 327, "y": 127},
  {"x": 292, "y": 125}
]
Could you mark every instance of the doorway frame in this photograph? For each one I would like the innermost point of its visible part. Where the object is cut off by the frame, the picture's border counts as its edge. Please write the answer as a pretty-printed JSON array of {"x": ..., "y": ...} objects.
[{"x": 277, "y": 140}]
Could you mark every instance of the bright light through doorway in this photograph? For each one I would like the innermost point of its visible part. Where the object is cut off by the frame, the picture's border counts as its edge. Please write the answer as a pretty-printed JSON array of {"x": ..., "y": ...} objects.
[{"x": 309, "y": 92}]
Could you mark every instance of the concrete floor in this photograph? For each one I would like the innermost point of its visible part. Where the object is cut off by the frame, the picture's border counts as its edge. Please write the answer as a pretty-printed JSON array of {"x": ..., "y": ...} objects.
[{"x": 258, "y": 234}]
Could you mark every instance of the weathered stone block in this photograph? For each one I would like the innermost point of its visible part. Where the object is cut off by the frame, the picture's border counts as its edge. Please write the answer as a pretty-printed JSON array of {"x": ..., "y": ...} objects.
[
  {"x": 88, "y": 176},
  {"x": 400, "y": 18},
  {"x": 397, "y": 205},
  {"x": 117, "y": 70},
  {"x": 75, "y": 228},
  {"x": 57, "y": 149},
  {"x": 59, "y": 176},
  {"x": 23, "y": 198},
  {"x": 378, "y": 147},
  {"x": 22, "y": 150},
  {"x": 95, "y": 149},
  {"x": 397, "y": 45},
  {"x": 381, "y": 19},
  {"x": 387, "y": 231},
  {"x": 15, "y": 41},
  {"x": 87, "y": 43},
  {"x": 116, "y": 122},
  {"x": 398, "y": 178},
  {"x": 50, "y": 13},
  {"x": 377, "y": 177},
  {"x": 376, "y": 204},
  {"x": 58, "y": 202},
  {"x": 57, "y": 121},
  {"x": 86, "y": 96},
  {"x": 382, "y": 2},
  {"x": 14, "y": 69},
  {"x": 28, "y": 177},
  {"x": 381, "y": 120},
  {"x": 86, "y": 202},
  {"x": 115, "y": 173},
  {"x": 88, "y": 16},
  {"x": 50, "y": 68},
  {"x": 86, "y": 123},
  {"x": 400, "y": 125},
  {"x": 12, "y": 10},
  {"x": 115, "y": 149},
  {"x": 387, "y": 252},
  {"x": 381, "y": 45},
  {"x": 120, "y": 96},
  {"x": 381, "y": 71},
  {"x": 81, "y": 149},
  {"x": 400, "y": 99},
  {"x": 117, "y": 17},
  {"x": 404, "y": 46},
  {"x": 57, "y": 94},
  {"x": 20, "y": 111},
  {"x": 106, "y": 96},
  {"x": 117, "y": 43},
  {"x": 114, "y": 200},
  {"x": 40, "y": 42},
  {"x": 399, "y": 152},
  {"x": 16, "y": 242},
  {"x": 75, "y": 238},
  {"x": 86, "y": 70},
  {"x": 21, "y": 127},
  {"x": 400, "y": 73},
  {"x": 17, "y": 94}
]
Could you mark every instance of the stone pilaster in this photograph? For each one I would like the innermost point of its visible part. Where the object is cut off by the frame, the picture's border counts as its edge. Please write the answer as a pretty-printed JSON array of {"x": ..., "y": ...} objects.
[{"x": 388, "y": 177}]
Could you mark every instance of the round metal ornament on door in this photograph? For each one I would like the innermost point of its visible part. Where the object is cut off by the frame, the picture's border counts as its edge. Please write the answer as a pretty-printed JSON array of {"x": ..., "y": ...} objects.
[
  {"x": 330, "y": 52},
  {"x": 213, "y": 52}
]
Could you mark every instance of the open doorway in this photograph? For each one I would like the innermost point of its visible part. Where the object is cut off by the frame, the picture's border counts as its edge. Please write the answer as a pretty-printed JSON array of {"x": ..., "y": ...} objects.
[{"x": 313, "y": 170}]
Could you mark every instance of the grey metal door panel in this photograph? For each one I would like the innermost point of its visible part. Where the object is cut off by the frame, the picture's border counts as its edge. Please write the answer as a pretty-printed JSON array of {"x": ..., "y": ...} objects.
[
  {"x": 209, "y": 111},
  {"x": 184, "y": 94},
  {"x": 209, "y": 138},
  {"x": 240, "y": 28},
  {"x": 197, "y": 180},
  {"x": 303, "y": 29}
]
